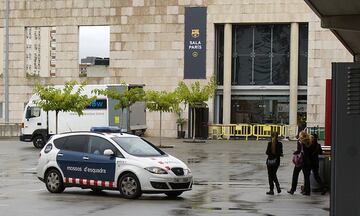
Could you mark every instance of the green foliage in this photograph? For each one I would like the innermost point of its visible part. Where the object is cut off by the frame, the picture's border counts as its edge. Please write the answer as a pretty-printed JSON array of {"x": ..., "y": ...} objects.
[
  {"x": 162, "y": 101},
  {"x": 65, "y": 100},
  {"x": 195, "y": 95},
  {"x": 125, "y": 99}
]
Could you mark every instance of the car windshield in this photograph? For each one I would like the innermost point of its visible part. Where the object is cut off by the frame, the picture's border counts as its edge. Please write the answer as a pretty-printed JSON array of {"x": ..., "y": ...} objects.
[{"x": 137, "y": 146}]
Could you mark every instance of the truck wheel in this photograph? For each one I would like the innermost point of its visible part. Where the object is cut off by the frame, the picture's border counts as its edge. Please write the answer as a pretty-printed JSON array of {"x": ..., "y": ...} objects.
[
  {"x": 54, "y": 182},
  {"x": 39, "y": 141},
  {"x": 129, "y": 186}
]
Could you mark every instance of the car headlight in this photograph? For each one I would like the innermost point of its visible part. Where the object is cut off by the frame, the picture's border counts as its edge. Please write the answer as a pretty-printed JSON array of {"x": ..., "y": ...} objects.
[
  {"x": 187, "y": 171},
  {"x": 156, "y": 170}
]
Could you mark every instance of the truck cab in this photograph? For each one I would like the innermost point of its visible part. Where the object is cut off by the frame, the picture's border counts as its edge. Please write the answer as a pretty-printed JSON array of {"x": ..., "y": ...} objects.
[{"x": 34, "y": 127}]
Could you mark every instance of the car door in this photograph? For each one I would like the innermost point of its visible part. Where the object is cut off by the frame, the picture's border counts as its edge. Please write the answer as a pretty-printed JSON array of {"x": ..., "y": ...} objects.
[
  {"x": 73, "y": 157},
  {"x": 100, "y": 167}
]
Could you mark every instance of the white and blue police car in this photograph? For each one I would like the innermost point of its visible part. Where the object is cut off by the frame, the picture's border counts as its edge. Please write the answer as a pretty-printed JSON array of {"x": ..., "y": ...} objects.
[{"x": 111, "y": 161}]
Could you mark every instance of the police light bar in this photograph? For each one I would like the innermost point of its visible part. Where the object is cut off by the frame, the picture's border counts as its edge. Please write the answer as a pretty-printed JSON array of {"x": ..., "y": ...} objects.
[{"x": 108, "y": 129}]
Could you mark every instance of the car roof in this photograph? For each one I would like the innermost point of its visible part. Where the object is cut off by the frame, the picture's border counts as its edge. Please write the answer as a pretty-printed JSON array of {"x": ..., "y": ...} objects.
[{"x": 104, "y": 134}]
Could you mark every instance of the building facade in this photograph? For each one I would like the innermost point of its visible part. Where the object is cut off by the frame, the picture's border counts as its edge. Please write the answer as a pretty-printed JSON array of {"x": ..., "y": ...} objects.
[{"x": 270, "y": 57}]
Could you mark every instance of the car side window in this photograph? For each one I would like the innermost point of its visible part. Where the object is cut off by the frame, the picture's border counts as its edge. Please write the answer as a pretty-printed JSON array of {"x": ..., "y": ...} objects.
[
  {"x": 78, "y": 143},
  {"x": 98, "y": 145},
  {"x": 60, "y": 143}
]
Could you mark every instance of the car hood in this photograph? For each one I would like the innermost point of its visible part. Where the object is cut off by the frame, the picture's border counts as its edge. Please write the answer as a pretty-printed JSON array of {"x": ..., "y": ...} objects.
[{"x": 164, "y": 162}]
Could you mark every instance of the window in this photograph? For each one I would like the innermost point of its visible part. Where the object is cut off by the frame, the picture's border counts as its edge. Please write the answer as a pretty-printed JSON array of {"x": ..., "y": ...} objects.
[
  {"x": 78, "y": 143},
  {"x": 60, "y": 143},
  {"x": 137, "y": 146},
  {"x": 219, "y": 58},
  {"x": 98, "y": 145},
  {"x": 1, "y": 110},
  {"x": 261, "y": 54},
  {"x": 1, "y": 51},
  {"x": 33, "y": 112},
  {"x": 303, "y": 53},
  {"x": 94, "y": 50}
]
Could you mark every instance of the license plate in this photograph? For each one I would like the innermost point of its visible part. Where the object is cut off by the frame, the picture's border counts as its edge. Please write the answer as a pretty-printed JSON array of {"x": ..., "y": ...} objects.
[{"x": 181, "y": 180}]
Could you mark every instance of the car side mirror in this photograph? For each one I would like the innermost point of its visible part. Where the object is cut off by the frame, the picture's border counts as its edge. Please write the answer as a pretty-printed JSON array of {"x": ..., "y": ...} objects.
[{"x": 109, "y": 152}]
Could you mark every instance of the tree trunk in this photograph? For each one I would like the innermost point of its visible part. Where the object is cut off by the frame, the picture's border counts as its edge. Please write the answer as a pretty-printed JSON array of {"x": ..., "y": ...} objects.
[
  {"x": 56, "y": 122},
  {"x": 160, "y": 126},
  {"x": 194, "y": 124},
  {"x": 128, "y": 122},
  {"x": 47, "y": 122}
]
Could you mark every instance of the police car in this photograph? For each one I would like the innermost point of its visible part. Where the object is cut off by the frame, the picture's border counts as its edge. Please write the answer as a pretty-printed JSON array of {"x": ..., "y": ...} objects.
[{"x": 111, "y": 161}]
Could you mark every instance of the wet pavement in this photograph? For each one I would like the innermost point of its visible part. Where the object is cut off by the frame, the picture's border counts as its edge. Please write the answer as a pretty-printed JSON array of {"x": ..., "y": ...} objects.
[{"x": 230, "y": 179}]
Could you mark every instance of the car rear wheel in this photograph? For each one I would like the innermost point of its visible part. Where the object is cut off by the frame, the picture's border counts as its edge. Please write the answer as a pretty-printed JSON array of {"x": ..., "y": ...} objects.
[
  {"x": 39, "y": 141},
  {"x": 173, "y": 194},
  {"x": 54, "y": 182},
  {"x": 129, "y": 186}
]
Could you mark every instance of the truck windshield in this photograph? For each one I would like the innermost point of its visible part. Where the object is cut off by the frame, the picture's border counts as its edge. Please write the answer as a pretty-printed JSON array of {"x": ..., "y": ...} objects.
[
  {"x": 138, "y": 147},
  {"x": 32, "y": 112}
]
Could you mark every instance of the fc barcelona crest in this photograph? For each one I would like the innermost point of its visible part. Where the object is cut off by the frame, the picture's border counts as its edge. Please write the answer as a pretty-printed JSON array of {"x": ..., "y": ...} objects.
[{"x": 195, "y": 33}]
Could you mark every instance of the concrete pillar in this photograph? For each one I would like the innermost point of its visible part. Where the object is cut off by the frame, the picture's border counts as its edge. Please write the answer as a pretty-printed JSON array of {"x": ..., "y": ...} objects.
[
  {"x": 294, "y": 70},
  {"x": 227, "y": 74}
]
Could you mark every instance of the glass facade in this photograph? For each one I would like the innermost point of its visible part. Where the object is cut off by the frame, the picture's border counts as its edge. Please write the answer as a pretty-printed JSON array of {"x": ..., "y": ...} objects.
[
  {"x": 261, "y": 54},
  {"x": 303, "y": 53},
  {"x": 219, "y": 50},
  {"x": 265, "y": 109},
  {"x": 261, "y": 57}
]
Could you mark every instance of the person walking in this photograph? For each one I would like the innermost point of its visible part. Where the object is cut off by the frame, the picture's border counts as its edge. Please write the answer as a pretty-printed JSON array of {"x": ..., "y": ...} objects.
[
  {"x": 274, "y": 151},
  {"x": 303, "y": 147},
  {"x": 316, "y": 150}
]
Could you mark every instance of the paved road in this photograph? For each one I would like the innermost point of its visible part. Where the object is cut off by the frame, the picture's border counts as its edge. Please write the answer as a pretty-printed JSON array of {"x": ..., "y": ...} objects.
[{"x": 230, "y": 179}]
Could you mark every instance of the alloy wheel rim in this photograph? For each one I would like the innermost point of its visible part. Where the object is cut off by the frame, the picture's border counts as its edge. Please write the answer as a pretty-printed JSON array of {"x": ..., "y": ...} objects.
[
  {"x": 128, "y": 186},
  {"x": 53, "y": 181}
]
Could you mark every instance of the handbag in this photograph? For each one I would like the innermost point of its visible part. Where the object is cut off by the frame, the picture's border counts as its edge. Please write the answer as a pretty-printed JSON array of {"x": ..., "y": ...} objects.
[
  {"x": 271, "y": 162},
  {"x": 298, "y": 159}
]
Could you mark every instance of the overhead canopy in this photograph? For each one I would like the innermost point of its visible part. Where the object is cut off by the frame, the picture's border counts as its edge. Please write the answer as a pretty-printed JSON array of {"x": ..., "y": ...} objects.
[{"x": 343, "y": 19}]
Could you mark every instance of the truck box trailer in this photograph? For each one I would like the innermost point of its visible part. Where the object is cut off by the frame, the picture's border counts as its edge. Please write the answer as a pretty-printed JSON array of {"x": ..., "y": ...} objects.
[{"x": 39, "y": 125}]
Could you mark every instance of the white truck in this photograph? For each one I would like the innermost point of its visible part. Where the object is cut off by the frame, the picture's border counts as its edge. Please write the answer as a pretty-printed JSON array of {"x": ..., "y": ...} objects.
[{"x": 39, "y": 125}]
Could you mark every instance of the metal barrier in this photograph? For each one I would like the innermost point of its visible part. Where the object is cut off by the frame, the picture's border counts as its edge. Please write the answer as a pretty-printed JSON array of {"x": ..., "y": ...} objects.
[
  {"x": 243, "y": 130},
  {"x": 226, "y": 131},
  {"x": 215, "y": 131}
]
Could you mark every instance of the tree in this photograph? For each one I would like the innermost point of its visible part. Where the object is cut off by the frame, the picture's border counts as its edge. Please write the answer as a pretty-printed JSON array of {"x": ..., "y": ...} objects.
[
  {"x": 196, "y": 96},
  {"x": 161, "y": 101},
  {"x": 65, "y": 99},
  {"x": 124, "y": 99}
]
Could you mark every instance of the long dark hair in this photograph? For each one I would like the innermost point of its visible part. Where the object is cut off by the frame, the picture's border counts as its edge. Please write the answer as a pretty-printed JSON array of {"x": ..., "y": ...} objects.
[{"x": 274, "y": 140}]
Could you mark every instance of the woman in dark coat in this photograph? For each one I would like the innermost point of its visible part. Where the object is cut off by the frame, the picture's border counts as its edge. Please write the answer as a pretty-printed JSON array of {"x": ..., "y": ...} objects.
[
  {"x": 303, "y": 145},
  {"x": 274, "y": 151},
  {"x": 316, "y": 150}
]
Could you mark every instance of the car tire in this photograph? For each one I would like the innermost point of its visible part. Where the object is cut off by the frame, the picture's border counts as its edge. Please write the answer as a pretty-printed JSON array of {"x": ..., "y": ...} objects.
[
  {"x": 129, "y": 186},
  {"x": 54, "y": 181},
  {"x": 39, "y": 141},
  {"x": 173, "y": 194}
]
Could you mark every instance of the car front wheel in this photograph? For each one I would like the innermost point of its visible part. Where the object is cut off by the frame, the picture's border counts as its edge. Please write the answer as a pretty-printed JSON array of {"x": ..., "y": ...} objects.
[
  {"x": 129, "y": 186},
  {"x": 54, "y": 182}
]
